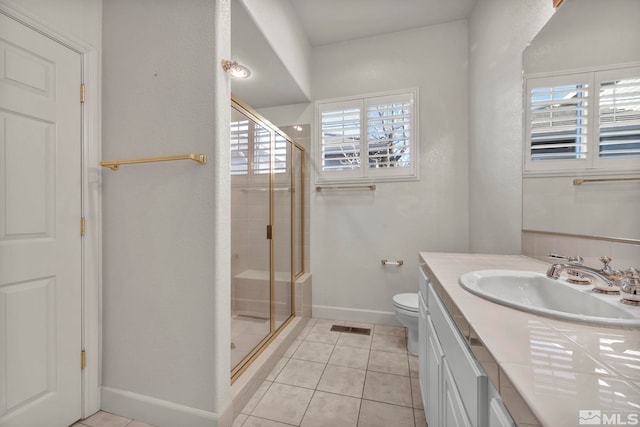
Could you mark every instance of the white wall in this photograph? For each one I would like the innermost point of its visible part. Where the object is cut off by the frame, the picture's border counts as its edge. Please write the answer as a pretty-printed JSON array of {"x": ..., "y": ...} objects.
[
  {"x": 352, "y": 231},
  {"x": 166, "y": 225},
  {"x": 499, "y": 30},
  {"x": 80, "y": 19},
  {"x": 278, "y": 22},
  {"x": 285, "y": 115},
  {"x": 586, "y": 34},
  {"x": 555, "y": 204}
]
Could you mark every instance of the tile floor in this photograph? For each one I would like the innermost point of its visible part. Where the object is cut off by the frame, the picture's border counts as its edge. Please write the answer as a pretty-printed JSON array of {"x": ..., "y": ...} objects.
[
  {"x": 330, "y": 379},
  {"x": 105, "y": 419},
  {"x": 333, "y": 379}
]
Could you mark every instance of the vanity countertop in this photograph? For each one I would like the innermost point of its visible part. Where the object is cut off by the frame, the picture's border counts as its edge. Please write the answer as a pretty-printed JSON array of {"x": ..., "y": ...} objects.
[{"x": 558, "y": 368}]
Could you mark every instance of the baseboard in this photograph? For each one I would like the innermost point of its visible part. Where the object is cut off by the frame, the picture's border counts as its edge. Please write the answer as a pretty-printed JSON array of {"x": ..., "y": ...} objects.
[
  {"x": 355, "y": 315},
  {"x": 160, "y": 413}
]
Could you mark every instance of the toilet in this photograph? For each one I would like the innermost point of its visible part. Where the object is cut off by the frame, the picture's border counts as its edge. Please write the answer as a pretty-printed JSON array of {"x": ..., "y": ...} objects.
[{"x": 406, "y": 308}]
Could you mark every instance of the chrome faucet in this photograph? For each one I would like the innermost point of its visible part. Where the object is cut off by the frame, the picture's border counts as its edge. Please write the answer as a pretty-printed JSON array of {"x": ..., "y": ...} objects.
[{"x": 574, "y": 264}]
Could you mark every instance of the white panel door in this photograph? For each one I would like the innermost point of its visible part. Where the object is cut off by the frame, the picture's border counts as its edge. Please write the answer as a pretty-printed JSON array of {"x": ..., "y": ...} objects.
[{"x": 40, "y": 243}]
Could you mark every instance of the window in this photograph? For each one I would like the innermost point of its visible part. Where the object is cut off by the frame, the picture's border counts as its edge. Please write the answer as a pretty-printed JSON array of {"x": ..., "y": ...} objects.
[
  {"x": 367, "y": 138},
  {"x": 240, "y": 147},
  {"x": 583, "y": 121},
  {"x": 251, "y": 148},
  {"x": 619, "y": 113}
]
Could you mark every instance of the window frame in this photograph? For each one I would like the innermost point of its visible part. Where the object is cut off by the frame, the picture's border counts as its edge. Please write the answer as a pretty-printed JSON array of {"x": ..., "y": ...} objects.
[
  {"x": 593, "y": 164},
  {"x": 364, "y": 173}
]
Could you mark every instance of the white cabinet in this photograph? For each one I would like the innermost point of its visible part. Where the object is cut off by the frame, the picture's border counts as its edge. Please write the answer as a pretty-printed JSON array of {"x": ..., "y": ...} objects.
[
  {"x": 429, "y": 360},
  {"x": 452, "y": 411},
  {"x": 455, "y": 388},
  {"x": 422, "y": 344},
  {"x": 423, "y": 282},
  {"x": 433, "y": 359},
  {"x": 498, "y": 414}
]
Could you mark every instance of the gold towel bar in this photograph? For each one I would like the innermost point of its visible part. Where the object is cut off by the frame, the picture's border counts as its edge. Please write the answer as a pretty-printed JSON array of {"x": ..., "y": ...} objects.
[
  {"x": 115, "y": 164},
  {"x": 580, "y": 181},
  {"x": 347, "y": 187}
]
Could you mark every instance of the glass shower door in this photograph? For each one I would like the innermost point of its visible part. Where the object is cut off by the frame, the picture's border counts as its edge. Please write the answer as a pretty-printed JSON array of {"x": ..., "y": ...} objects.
[
  {"x": 282, "y": 229},
  {"x": 265, "y": 222},
  {"x": 250, "y": 250}
]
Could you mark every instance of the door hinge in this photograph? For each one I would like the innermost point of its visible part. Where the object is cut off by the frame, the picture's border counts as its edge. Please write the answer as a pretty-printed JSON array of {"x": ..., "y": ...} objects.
[
  {"x": 269, "y": 232},
  {"x": 82, "y": 93},
  {"x": 83, "y": 359},
  {"x": 83, "y": 226}
]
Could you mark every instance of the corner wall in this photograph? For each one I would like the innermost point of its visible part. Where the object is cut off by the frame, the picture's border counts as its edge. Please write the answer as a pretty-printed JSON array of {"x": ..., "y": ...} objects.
[
  {"x": 499, "y": 30},
  {"x": 166, "y": 242},
  {"x": 353, "y": 230},
  {"x": 606, "y": 33},
  {"x": 277, "y": 20}
]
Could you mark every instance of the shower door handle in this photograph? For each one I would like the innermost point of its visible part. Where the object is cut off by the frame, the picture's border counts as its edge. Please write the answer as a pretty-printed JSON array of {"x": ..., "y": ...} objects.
[{"x": 269, "y": 232}]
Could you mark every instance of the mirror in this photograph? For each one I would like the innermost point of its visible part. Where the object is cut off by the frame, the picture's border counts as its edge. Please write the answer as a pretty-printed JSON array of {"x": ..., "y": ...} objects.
[{"x": 585, "y": 36}]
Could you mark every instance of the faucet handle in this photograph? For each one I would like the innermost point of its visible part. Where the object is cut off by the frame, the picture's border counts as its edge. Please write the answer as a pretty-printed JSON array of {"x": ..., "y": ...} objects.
[
  {"x": 606, "y": 260},
  {"x": 630, "y": 287},
  {"x": 570, "y": 259},
  {"x": 632, "y": 273}
]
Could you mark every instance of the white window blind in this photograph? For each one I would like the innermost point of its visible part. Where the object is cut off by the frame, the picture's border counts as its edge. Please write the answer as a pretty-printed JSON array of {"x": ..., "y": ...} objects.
[
  {"x": 389, "y": 132},
  {"x": 372, "y": 137},
  {"x": 281, "y": 154},
  {"x": 558, "y": 122},
  {"x": 619, "y": 114},
  {"x": 252, "y": 149},
  {"x": 340, "y": 137},
  {"x": 261, "y": 150},
  {"x": 583, "y": 121},
  {"x": 240, "y": 147}
]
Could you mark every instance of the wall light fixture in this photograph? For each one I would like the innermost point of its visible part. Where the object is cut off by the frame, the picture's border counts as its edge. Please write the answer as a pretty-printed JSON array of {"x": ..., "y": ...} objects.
[{"x": 235, "y": 69}]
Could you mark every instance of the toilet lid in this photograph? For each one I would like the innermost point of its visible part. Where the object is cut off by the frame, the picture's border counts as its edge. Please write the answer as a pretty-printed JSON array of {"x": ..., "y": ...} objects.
[{"x": 407, "y": 301}]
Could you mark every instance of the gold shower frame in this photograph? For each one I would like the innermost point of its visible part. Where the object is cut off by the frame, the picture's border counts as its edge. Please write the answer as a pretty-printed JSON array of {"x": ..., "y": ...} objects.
[{"x": 296, "y": 273}]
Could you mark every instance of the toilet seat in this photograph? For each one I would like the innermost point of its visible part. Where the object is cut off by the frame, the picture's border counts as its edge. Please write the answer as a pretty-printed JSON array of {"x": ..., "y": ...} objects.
[{"x": 408, "y": 301}]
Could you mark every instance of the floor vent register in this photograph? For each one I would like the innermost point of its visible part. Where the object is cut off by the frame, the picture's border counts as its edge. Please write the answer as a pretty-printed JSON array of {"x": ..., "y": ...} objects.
[{"x": 351, "y": 330}]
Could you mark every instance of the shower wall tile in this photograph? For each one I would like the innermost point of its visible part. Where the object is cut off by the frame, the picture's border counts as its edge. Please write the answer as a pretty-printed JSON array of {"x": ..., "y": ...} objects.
[{"x": 303, "y": 296}]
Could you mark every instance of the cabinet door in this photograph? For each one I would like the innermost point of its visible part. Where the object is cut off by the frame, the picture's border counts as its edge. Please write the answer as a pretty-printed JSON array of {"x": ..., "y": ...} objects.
[
  {"x": 498, "y": 414},
  {"x": 471, "y": 379},
  {"x": 423, "y": 284},
  {"x": 452, "y": 412},
  {"x": 434, "y": 358},
  {"x": 422, "y": 347}
]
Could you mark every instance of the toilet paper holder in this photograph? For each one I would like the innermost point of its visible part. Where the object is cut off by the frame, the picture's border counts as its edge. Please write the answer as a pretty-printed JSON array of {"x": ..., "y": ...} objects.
[{"x": 387, "y": 262}]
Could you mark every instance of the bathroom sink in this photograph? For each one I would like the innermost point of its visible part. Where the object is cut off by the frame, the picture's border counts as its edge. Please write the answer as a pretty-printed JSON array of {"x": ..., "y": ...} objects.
[{"x": 538, "y": 294}]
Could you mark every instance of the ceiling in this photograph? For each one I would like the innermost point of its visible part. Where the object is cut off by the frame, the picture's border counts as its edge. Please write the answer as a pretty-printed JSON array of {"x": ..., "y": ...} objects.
[
  {"x": 325, "y": 22},
  {"x": 333, "y": 21}
]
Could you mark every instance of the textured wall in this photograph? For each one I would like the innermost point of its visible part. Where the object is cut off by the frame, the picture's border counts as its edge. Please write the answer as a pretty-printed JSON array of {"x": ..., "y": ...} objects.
[
  {"x": 279, "y": 24},
  {"x": 499, "y": 30},
  {"x": 606, "y": 33},
  {"x": 78, "y": 18},
  {"x": 166, "y": 225},
  {"x": 352, "y": 231}
]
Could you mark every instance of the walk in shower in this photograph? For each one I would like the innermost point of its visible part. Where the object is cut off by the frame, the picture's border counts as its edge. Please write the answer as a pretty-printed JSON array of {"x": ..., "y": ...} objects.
[{"x": 267, "y": 179}]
